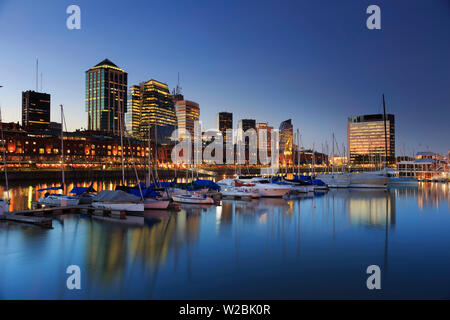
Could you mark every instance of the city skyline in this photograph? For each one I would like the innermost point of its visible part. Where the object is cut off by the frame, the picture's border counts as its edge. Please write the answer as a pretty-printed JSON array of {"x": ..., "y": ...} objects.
[{"x": 310, "y": 86}]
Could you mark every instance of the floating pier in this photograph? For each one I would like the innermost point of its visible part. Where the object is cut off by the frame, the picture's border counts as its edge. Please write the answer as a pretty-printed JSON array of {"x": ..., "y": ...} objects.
[{"x": 37, "y": 221}]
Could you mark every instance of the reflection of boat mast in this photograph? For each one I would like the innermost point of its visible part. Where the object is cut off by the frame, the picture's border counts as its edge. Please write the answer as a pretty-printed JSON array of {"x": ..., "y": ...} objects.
[{"x": 386, "y": 237}]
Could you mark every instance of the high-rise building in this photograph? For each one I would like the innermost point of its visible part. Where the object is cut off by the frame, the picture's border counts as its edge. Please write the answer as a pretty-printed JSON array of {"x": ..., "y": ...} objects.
[
  {"x": 106, "y": 97},
  {"x": 187, "y": 113},
  {"x": 35, "y": 110},
  {"x": 224, "y": 121},
  {"x": 265, "y": 144},
  {"x": 133, "y": 115},
  {"x": 286, "y": 141},
  {"x": 243, "y": 126},
  {"x": 152, "y": 105},
  {"x": 366, "y": 138}
]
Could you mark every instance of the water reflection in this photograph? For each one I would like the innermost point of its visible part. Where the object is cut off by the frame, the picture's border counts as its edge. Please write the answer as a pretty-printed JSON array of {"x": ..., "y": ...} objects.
[{"x": 270, "y": 245}]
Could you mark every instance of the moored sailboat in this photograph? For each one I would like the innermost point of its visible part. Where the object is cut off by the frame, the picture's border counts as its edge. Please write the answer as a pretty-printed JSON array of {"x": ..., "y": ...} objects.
[{"x": 59, "y": 200}]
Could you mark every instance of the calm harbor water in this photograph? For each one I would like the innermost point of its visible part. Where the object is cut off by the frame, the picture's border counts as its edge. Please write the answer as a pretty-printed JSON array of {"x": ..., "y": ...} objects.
[{"x": 304, "y": 247}]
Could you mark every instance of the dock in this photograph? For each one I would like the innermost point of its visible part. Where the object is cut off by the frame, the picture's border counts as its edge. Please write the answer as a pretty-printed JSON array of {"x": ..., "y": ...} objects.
[{"x": 43, "y": 222}]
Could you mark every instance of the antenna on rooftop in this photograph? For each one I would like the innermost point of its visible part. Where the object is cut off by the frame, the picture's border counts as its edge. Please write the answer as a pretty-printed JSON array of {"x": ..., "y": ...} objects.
[
  {"x": 178, "y": 88},
  {"x": 37, "y": 72}
]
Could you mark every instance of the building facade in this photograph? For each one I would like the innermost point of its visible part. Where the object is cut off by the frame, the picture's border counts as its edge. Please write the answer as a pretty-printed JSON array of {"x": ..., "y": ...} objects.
[
  {"x": 264, "y": 144},
  {"x": 187, "y": 113},
  {"x": 224, "y": 121},
  {"x": 366, "y": 139},
  {"x": 106, "y": 97},
  {"x": 152, "y": 105},
  {"x": 35, "y": 110},
  {"x": 286, "y": 142}
]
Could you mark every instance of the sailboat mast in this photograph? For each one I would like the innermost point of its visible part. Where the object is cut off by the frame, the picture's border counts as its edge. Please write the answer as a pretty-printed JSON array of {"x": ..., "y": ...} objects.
[
  {"x": 385, "y": 133},
  {"x": 62, "y": 151},
  {"x": 121, "y": 142},
  {"x": 4, "y": 153},
  {"x": 332, "y": 157},
  {"x": 298, "y": 153}
]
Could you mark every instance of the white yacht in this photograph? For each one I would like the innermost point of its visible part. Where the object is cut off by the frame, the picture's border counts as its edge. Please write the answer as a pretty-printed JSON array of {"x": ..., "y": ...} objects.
[
  {"x": 58, "y": 200},
  {"x": 374, "y": 179},
  {"x": 335, "y": 180},
  {"x": 117, "y": 200}
]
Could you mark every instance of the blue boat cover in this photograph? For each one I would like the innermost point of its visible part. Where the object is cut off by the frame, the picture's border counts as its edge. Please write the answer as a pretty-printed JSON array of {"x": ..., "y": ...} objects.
[
  {"x": 81, "y": 190},
  {"x": 52, "y": 188},
  {"x": 207, "y": 184},
  {"x": 146, "y": 192}
]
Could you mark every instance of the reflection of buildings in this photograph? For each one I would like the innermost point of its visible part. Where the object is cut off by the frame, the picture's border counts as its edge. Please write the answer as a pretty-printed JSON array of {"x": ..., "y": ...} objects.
[
  {"x": 111, "y": 247},
  {"x": 372, "y": 208},
  {"x": 366, "y": 138}
]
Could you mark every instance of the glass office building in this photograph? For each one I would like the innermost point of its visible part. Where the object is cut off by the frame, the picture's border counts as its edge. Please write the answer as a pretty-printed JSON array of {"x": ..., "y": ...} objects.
[
  {"x": 151, "y": 104},
  {"x": 106, "y": 97},
  {"x": 35, "y": 110},
  {"x": 366, "y": 139},
  {"x": 187, "y": 113}
]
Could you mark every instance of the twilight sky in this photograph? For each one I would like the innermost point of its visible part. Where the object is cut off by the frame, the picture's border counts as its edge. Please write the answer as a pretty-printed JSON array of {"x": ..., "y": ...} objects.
[{"x": 312, "y": 61}]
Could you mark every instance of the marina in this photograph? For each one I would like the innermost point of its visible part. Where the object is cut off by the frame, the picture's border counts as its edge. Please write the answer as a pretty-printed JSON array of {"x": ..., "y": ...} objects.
[{"x": 307, "y": 240}]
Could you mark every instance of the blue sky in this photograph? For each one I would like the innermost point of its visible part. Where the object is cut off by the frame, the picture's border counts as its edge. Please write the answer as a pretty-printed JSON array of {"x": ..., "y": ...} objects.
[{"x": 312, "y": 61}]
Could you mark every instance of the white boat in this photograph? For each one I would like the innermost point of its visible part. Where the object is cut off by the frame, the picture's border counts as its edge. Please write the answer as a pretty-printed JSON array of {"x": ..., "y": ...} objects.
[
  {"x": 303, "y": 188},
  {"x": 117, "y": 200},
  {"x": 265, "y": 188},
  {"x": 271, "y": 189},
  {"x": 375, "y": 179},
  {"x": 155, "y": 204},
  {"x": 117, "y": 206},
  {"x": 4, "y": 206},
  {"x": 239, "y": 192},
  {"x": 226, "y": 183},
  {"x": 192, "y": 198},
  {"x": 335, "y": 180},
  {"x": 58, "y": 200}
]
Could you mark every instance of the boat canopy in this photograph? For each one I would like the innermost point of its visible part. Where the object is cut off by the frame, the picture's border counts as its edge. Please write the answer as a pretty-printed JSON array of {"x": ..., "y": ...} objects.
[
  {"x": 82, "y": 190},
  {"x": 52, "y": 188},
  {"x": 207, "y": 183},
  {"x": 115, "y": 196}
]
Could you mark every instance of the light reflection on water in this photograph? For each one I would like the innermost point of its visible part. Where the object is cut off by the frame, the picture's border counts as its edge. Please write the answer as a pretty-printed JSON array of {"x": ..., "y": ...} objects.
[{"x": 302, "y": 247}]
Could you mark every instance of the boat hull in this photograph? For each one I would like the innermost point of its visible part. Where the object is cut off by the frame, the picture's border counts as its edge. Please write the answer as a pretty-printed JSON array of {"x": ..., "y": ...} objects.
[
  {"x": 155, "y": 204},
  {"x": 264, "y": 191},
  {"x": 335, "y": 180},
  {"x": 192, "y": 199},
  {"x": 117, "y": 206},
  {"x": 59, "y": 201}
]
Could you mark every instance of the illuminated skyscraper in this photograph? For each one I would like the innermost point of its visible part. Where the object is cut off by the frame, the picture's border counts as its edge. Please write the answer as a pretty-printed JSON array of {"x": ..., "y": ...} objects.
[
  {"x": 152, "y": 105},
  {"x": 286, "y": 141},
  {"x": 187, "y": 113},
  {"x": 35, "y": 110},
  {"x": 106, "y": 97},
  {"x": 366, "y": 138},
  {"x": 264, "y": 144},
  {"x": 133, "y": 116}
]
